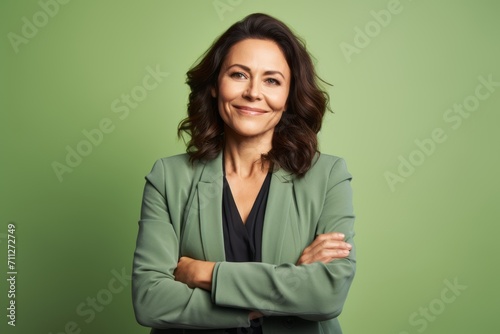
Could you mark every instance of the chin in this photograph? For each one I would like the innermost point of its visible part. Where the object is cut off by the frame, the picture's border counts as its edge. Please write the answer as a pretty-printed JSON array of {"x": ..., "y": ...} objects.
[{"x": 251, "y": 131}]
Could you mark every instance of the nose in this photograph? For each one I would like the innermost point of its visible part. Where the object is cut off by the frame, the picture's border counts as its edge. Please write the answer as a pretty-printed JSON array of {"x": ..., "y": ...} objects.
[{"x": 252, "y": 91}]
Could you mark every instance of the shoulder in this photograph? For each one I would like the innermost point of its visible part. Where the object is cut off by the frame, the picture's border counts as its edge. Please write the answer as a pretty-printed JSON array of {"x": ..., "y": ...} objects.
[
  {"x": 327, "y": 166},
  {"x": 326, "y": 160},
  {"x": 174, "y": 161},
  {"x": 171, "y": 164},
  {"x": 176, "y": 170},
  {"x": 179, "y": 162},
  {"x": 327, "y": 182},
  {"x": 326, "y": 172}
]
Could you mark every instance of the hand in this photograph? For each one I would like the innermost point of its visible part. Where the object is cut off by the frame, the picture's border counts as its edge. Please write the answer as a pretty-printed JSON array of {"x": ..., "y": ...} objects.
[
  {"x": 325, "y": 248},
  {"x": 255, "y": 315},
  {"x": 194, "y": 273}
]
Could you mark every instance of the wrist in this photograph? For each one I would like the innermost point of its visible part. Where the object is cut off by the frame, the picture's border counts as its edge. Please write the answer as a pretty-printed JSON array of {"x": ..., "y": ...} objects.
[{"x": 204, "y": 275}]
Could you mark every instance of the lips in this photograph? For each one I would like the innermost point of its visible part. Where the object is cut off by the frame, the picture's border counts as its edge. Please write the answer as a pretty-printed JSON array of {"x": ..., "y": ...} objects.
[{"x": 250, "y": 111}]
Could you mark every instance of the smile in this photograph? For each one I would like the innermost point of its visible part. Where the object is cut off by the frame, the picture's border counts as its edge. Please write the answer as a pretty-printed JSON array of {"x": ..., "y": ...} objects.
[{"x": 250, "y": 111}]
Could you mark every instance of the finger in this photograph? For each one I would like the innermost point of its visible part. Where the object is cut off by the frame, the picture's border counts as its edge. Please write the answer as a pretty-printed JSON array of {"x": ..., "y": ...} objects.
[
  {"x": 325, "y": 249},
  {"x": 332, "y": 241},
  {"x": 328, "y": 245},
  {"x": 255, "y": 315},
  {"x": 327, "y": 257},
  {"x": 334, "y": 236},
  {"x": 324, "y": 255}
]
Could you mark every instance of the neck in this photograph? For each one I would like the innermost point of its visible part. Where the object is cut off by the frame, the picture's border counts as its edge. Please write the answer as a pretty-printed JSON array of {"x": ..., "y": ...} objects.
[{"x": 242, "y": 156}]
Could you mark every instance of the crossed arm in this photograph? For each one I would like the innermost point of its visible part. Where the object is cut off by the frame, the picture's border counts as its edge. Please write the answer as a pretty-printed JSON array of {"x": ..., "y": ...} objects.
[
  {"x": 325, "y": 248},
  {"x": 170, "y": 291}
]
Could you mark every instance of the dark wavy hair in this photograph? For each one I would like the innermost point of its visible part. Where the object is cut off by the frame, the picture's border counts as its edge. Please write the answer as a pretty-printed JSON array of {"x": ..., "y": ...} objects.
[{"x": 294, "y": 142}]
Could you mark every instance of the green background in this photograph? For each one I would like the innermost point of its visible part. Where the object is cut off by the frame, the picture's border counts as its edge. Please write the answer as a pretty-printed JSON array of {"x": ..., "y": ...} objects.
[{"x": 440, "y": 224}]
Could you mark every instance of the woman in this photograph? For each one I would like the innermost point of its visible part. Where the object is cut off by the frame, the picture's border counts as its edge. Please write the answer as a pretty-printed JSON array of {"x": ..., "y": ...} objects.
[{"x": 251, "y": 230}]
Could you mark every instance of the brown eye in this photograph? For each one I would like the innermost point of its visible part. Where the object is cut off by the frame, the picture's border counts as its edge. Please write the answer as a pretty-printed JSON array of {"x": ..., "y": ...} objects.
[
  {"x": 273, "y": 82},
  {"x": 238, "y": 75}
]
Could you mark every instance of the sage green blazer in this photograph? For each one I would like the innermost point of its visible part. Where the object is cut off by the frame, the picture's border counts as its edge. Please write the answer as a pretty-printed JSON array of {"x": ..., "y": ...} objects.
[{"x": 181, "y": 215}]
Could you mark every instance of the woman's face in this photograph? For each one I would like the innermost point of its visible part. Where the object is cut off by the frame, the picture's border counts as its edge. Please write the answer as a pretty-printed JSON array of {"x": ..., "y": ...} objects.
[{"x": 253, "y": 86}]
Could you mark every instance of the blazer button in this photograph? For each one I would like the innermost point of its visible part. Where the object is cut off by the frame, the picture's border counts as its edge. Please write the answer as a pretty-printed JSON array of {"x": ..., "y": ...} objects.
[{"x": 288, "y": 322}]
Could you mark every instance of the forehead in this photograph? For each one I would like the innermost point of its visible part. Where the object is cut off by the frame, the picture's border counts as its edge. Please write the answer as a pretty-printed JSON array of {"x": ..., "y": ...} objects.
[{"x": 257, "y": 54}]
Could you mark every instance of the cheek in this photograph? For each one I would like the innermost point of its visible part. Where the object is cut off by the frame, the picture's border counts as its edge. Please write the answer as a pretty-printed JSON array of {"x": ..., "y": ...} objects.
[
  {"x": 222, "y": 98},
  {"x": 278, "y": 101},
  {"x": 228, "y": 91},
  {"x": 221, "y": 109}
]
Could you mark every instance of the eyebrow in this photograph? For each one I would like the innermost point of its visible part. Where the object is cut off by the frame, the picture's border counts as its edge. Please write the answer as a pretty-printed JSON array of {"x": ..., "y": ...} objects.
[{"x": 246, "y": 68}]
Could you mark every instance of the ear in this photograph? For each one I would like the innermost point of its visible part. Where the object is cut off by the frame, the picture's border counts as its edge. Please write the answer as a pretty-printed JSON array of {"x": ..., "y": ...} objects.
[{"x": 213, "y": 92}]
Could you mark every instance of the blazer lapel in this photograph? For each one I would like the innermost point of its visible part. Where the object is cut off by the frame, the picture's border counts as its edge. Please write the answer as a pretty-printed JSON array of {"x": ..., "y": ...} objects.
[
  {"x": 276, "y": 218},
  {"x": 210, "y": 209}
]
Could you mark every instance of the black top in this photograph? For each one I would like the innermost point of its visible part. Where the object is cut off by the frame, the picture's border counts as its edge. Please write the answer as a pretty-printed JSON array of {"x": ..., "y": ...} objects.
[{"x": 243, "y": 242}]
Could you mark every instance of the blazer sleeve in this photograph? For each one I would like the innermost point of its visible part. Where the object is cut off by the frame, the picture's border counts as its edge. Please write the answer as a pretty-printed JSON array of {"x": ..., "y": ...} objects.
[
  {"x": 159, "y": 301},
  {"x": 314, "y": 291}
]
